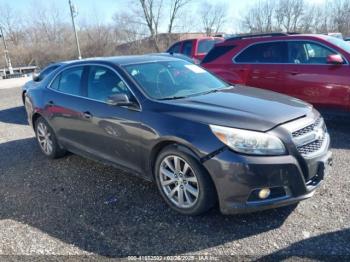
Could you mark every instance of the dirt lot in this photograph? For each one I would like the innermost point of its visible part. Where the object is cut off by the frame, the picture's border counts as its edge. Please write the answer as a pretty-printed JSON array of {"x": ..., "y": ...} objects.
[{"x": 74, "y": 206}]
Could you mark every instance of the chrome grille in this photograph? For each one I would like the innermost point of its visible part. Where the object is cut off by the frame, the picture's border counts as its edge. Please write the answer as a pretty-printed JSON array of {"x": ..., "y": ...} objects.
[
  {"x": 311, "y": 147},
  {"x": 310, "y": 139},
  {"x": 306, "y": 129}
]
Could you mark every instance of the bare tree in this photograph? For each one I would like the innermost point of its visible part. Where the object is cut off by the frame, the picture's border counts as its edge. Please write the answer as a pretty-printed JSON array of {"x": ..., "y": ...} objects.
[
  {"x": 151, "y": 12},
  {"x": 286, "y": 15},
  {"x": 315, "y": 19},
  {"x": 289, "y": 15},
  {"x": 12, "y": 24},
  {"x": 129, "y": 30},
  {"x": 340, "y": 20},
  {"x": 259, "y": 18},
  {"x": 213, "y": 17},
  {"x": 45, "y": 35},
  {"x": 175, "y": 7}
]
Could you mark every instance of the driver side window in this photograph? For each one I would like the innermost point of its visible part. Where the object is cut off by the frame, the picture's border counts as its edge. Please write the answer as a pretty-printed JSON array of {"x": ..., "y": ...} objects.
[
  {"x": 103, "y": 82},
  {"x": 302, "y": 52}
]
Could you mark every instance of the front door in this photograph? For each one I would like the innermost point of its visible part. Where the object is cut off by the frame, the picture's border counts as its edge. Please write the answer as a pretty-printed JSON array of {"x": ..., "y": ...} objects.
[
  {"x": 310, "y": 78},
  {"x": 114, "y": 131}
]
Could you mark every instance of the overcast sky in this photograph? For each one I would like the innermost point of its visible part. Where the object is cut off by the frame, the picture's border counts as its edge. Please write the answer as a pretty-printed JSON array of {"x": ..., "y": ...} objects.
[{"x": 106, "y": 8}]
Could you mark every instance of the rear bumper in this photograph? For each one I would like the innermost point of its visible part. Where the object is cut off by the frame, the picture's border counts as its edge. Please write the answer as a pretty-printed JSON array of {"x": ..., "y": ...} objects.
[{"x": 237, "y": 178}]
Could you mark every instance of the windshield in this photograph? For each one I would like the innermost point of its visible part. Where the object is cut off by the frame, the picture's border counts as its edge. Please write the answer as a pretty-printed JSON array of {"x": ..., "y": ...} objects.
[
  {"x": 339, "y": 43},
  {"x": 173, "y": 79}
]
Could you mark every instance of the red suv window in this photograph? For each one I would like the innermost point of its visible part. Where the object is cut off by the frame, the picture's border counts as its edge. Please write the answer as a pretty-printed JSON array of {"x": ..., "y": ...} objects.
[
  {"x": 187, "y": 48},
  {"x": 304, "y": 52},
  {"x": 175, "y": 48},
  {"x": 204, "y": 46},
  {"x": 274, "y": 52}
]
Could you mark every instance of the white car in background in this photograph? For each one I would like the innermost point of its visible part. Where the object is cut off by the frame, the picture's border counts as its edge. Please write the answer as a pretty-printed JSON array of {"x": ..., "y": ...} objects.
[{"x": 337, "y": 35}]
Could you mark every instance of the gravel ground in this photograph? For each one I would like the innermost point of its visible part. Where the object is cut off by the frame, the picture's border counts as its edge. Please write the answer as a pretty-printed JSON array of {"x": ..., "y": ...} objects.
[{"x": 74, "y": 206}]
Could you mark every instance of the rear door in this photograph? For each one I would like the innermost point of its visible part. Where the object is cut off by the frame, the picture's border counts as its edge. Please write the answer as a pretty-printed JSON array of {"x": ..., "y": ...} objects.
[
  {"x": 262, "y": 65},
  {"x": 310, "y": 78},
  {"x": 64, "y": 107}
]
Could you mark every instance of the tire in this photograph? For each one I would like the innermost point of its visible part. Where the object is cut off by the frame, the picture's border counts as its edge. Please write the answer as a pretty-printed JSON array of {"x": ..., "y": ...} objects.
[
  {"x": 47, "y": 140},
  {"x": 192, "y": 182}
]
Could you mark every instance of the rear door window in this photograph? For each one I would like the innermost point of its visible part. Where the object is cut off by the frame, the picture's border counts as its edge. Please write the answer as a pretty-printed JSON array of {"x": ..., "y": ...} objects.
[
  {"x": 69, "y": 81},
  {"x": 187, "y": 48},
  {"x": 265, "y": 53},
  {"x": 175, "y": 48}
]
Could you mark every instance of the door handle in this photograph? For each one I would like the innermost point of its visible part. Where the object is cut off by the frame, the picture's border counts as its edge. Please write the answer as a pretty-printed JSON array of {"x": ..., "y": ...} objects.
[
  {"x": 293, "y": 73},
  {"x": 87, "y": 115}
]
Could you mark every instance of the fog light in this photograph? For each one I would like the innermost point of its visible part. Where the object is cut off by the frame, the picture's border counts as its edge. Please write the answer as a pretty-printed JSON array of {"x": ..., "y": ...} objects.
[{"x": 264, "y": 193}]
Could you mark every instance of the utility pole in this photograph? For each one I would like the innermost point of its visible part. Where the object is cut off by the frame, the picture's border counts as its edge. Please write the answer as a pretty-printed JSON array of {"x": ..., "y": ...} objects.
[
  {"x": 74, "y": 13},
  {"x": 6, "y": 51}
]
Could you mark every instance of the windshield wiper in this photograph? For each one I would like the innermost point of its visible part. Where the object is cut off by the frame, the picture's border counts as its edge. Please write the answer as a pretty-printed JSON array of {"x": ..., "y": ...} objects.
[
  {"x": 212, "y": 91},
  {"x": 172, "y": 97},
  {"x": 198, "y": 94},
  {"x": 206, "y": 92}
]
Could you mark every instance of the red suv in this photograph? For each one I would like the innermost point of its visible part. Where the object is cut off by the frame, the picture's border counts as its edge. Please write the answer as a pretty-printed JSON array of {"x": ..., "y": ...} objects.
[
  {"x": 196, "y": 48},
  {"x": 314, "y": 68}
]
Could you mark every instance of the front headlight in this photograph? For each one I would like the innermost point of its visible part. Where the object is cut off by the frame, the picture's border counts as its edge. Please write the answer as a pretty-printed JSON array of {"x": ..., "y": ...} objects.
[{"x": 249, "y": 142}]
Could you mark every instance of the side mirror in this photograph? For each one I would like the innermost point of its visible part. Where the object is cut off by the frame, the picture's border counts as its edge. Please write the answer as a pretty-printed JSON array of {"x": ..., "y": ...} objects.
[
  {"x": 36, "y": 77},
  {"x": 335, "y": 60},
  {"x": 119, "y": 100}
]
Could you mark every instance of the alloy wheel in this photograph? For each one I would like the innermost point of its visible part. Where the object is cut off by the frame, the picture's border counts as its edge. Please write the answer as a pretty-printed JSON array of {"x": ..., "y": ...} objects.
[
  {"x": 179, "y": 181},
  {"x": 44, "y": 138}
]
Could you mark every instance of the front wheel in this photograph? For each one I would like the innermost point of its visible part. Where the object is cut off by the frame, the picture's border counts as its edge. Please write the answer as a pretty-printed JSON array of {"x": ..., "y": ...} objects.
[
  {"x": 47, "y": 139},
  {"x": 183, "y": 182}
]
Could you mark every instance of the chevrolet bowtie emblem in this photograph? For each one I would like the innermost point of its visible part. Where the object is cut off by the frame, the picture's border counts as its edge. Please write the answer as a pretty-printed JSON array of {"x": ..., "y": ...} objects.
[
  {"x": 319, "y": 133},
  {"x": 316, "y": 134}
]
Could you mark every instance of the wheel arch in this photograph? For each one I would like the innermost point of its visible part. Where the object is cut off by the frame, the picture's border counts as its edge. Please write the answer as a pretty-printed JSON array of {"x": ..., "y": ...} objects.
[
  {"x": 24, "y": 96},
  {"x": 165, "y": 143},
  {"x": 35, "y": 117},
  {"x": 183, "y": 147}
]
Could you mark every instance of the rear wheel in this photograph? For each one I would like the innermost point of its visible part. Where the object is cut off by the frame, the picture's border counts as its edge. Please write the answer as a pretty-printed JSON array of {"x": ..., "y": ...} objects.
[
  {"x": 47, "y": 139},
  {"x": 183, "y": 182}
]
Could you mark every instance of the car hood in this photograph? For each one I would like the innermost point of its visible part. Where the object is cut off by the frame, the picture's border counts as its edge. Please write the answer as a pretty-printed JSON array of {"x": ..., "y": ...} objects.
[{"x": 241, "y": 107}]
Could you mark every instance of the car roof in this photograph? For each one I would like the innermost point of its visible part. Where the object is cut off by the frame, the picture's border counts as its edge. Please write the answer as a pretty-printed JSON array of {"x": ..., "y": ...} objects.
[
  {"x": 176, "y": 55},
  {"x": 128, "y": 60},
  {"x": 272, "y": 36},
  {"x": 61, "y": 63},
  {"x": 203, "y": 38},
  {"x": 200, "y": 38}
]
